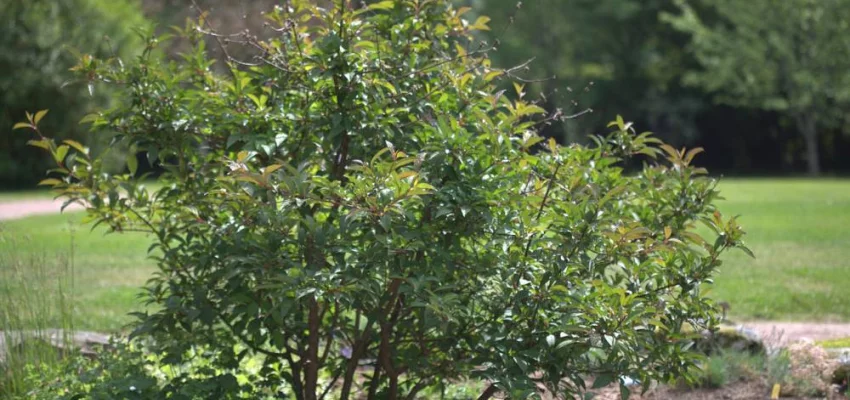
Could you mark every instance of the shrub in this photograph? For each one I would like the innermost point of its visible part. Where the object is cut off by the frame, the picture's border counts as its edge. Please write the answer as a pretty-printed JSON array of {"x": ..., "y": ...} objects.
[
  {"x": 359, "y": 206},
  {"x": 811, "y": 370},
  {"x": 38, "y": 39}
]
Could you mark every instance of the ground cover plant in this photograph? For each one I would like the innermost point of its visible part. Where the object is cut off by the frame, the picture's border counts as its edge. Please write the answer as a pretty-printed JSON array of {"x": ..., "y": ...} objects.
[{"x": 360, "y": 207}]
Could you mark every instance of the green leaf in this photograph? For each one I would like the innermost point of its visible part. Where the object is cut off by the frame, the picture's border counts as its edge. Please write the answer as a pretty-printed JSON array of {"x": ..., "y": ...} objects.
[
  {"x": 39, "y": 115},
  {"x": 60, "y": 153},
  {"x": 132, "y": 163},
  {"x": 271, "y": 168},
  {"x": 21, "y": 125},
  {"x": 481, "y": 23},
  {"x": 492, "y": 75},
  {"x": 43, "y": 143},
  {"x": 50, "y": 182},
  {"x": 625, "y": 392},
  {"x": 523, "y": 110},
  {"x": 93, "y": 117},
  {"x": 747, "y": 250},
  {"x": 603, "y": 380},
  {"x": 405, "y": 175},
  {"x": 76, "y": 145},
  {"x": 382, "y": 5}
]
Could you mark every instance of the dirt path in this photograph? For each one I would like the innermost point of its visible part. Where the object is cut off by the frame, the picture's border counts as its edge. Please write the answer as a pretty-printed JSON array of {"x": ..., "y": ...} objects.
[
  {"x": 794, "y": 331},
  {"x": 25, "y": 208}
]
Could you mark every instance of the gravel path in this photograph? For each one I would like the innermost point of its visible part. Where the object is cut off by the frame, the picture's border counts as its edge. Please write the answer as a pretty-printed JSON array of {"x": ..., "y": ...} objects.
[
  {"x": 794, "y": 331},
  {"x": 25, "y": 208}
]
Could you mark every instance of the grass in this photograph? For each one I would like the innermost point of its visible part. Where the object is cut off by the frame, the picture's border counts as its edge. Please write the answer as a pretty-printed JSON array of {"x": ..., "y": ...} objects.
[
  {"x": 28, "y": 194},
  {"x": 840, "y": 343},
  {"x": 35, "y": 298},
  {"x": 108, "y": 269},
  {"x": 799, "y": 231}
]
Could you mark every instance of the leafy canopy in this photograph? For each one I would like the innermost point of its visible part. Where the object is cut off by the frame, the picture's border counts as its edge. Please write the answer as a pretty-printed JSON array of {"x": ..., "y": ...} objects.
[
  {"x": 359, "y": 207},
  {"x": 39, "y": 41},
  {"x": 787, "y": 56}
]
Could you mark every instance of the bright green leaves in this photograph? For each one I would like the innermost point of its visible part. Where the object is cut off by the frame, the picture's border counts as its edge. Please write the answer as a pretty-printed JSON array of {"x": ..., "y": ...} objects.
[
  {"x": 382, "y": 5},
  {"x": 132, "y": 163},
  {"x": 76, "y": 146},
  {"x": 32, "y": 121},
  {"x": 41, "y": 143},
  {"x": 38, "y": 116}
]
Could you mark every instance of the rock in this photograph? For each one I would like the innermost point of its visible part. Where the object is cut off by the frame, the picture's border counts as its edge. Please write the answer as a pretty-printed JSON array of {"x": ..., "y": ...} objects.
[
  {"x": 731, "y": 338},
  {"x": 629, "y": 381},
  {"x": 87, "y": 343}
]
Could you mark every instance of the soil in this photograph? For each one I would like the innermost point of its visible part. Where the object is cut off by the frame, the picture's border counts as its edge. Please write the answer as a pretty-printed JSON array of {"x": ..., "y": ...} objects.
[
  {"x": 733, "y": 391},
  {"x": 789, "y": 332}
]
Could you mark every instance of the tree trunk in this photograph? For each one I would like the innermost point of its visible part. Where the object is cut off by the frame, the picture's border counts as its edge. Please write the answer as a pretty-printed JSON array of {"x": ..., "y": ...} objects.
[
  {"x": 806, "y": 126},
  {"x": 488, "y": 393},
  {"x": 311, "y": 361}
]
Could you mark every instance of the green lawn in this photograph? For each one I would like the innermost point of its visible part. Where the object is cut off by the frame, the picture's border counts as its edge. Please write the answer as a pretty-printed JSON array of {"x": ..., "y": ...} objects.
[
  {"x": 43, "y": 193},
  {"x": 800, "y": 233},
  {"x": 799, "y": 230},
  {"x": 108, "y": 269}
]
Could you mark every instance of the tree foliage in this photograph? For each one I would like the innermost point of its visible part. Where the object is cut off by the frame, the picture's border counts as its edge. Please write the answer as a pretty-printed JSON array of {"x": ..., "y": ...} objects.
[
  {"x": 39, "y": 39},
  {"x": 607, "y": 56},
  {"x": 788, "y": 56},
  {"x": 359, "y": 206}
]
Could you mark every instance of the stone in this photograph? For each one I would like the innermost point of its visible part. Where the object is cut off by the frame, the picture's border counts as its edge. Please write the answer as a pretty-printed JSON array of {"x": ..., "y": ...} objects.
[
  {"x": 87, "y": 343},
  {"x": 731, "y": 338}
]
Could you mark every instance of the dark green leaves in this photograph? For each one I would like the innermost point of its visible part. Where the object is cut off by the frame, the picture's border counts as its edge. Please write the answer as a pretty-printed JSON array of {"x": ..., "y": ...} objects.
[{"x": 349, "y": 201}]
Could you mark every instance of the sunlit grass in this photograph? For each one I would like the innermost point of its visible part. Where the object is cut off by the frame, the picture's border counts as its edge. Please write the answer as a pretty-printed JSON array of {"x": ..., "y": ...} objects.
[
  {"x": 840, "y": 343},
  {"x": 36, "y": 299},
  {"x": 109, "y": 269},
  {"x": 800, "y": 232}
]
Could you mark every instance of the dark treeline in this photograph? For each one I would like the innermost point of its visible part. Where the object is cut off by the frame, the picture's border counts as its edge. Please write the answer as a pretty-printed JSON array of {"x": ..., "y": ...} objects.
[{"x": 762, "y": 85}]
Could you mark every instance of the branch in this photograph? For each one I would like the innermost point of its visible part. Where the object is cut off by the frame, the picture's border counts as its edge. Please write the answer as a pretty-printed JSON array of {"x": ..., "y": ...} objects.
[{"x": 489, "y": 392}]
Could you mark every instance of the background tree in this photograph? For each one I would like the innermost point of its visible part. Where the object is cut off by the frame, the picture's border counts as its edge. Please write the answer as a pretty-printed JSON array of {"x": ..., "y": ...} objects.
[
  {"x": 790, "y": 56},
  {"x": 40, "y": 40},
  {"x": 602, "y": 55}
]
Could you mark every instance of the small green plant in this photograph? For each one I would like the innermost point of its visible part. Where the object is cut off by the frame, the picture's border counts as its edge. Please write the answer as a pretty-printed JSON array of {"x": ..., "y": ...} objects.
[
  {"x": 778, "y": 367},
  {"x": 36, "y": 312},
  {"x": 360, "y": 207},
  {"x": 726, "y": 366},
  {"x": 810, "y": 372}
]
